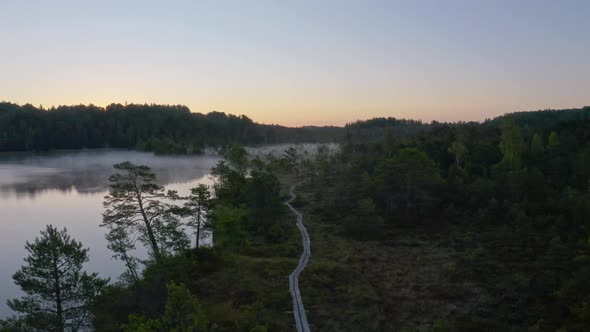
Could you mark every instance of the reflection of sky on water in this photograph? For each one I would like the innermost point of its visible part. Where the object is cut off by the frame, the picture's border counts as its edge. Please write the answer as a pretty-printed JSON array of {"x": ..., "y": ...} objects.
[
  {"x": 88, "y": 171},
  {"x": 66, "y": 189}
]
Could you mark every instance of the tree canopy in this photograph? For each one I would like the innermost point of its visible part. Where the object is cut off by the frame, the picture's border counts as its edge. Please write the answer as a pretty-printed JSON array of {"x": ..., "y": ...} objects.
[
  {"x": 58, "y": 293},
  {"x": 139, "y": 208},
  {"x": 164, "y": 129}
]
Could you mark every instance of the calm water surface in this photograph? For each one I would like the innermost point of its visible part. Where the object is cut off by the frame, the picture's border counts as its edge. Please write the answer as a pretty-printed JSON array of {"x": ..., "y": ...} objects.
[{"x": 66, "y": 189}]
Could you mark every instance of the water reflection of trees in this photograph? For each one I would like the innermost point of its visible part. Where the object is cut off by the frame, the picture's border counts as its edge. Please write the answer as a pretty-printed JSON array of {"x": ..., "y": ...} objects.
[{"x": 88, "y": 172}]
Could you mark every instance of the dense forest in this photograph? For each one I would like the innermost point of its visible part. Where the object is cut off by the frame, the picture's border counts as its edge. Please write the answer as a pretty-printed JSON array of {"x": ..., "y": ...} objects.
[
  {"x": 439, "y": 227},
  {"x": 174, "y": 129},
  {"x": 464, "y": 227},
  {"x": 165, "y": 129}
]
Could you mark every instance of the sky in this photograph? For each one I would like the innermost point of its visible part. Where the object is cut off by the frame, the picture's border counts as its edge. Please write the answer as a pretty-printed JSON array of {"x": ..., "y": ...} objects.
[{"x": 301, "y": 62}]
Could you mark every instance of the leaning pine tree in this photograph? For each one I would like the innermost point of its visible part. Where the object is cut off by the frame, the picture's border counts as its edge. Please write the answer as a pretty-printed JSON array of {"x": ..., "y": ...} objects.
[
  {"x": 58, "y": 294},
  {"x": 137, "y": 208}
]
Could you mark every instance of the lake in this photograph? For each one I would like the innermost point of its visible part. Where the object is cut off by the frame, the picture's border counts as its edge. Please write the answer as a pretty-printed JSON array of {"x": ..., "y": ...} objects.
[{"x": 66, "y": 189}]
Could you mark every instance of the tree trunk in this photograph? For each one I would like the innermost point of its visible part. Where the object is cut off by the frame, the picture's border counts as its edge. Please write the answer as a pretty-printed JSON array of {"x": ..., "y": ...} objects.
[
  {"x": 58, "y": 300},
  {"x": 146, "y": 221},
  {"x": 132, "y": 271},
  {"x": 198, "y": 228},
  {"x": 152, "y": 239},
  {"x": 148, "y": 226}
]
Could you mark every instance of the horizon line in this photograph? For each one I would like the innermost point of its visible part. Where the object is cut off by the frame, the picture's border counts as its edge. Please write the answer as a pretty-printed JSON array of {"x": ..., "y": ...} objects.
[{"x": 125, "y": 104}]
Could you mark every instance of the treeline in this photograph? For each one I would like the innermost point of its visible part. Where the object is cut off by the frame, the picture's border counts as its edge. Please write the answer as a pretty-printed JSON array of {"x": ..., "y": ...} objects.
[
  {"x": 173, "y": 129},
  {"x": 374, "y": 130},
  {"x": 543, "y": 119},
  {"x": 158, "y": 128},
  {"x": 511, "y": 198}
]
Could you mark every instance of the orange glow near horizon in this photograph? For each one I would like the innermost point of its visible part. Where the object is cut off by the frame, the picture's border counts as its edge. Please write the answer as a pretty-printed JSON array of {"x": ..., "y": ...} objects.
[
  {"x": 301, "y": 63},
  {"x": 331, "y": 114}
]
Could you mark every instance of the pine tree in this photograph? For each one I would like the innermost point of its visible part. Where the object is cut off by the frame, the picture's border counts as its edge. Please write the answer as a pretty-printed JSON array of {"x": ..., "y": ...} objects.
[
  {"x": 58, "y": 294},
  {"x": 198, "y": 205},
  {"x": 137, "y": 207}
]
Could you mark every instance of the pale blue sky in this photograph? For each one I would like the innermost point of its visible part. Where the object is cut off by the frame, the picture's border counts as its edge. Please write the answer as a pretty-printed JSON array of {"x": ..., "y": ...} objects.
[{"x": 301, "y": 62}]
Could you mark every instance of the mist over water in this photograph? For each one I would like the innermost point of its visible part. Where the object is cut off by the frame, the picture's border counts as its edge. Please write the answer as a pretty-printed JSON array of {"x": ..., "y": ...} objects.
[
  {"x": 87, "y": 171},
  {"x": 67, "y": 189},
  {"x": 276, "y": 150}
]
